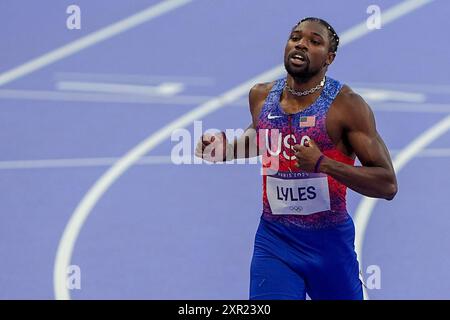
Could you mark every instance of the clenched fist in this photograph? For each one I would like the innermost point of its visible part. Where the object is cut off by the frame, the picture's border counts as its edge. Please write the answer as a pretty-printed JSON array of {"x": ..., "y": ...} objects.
[
  {"x": 307, "y": 155},
  {"x": 214, "y": 148}
]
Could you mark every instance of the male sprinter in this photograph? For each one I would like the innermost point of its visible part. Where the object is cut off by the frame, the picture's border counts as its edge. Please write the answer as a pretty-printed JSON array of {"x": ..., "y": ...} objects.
[{"x": 305, "y": 239}]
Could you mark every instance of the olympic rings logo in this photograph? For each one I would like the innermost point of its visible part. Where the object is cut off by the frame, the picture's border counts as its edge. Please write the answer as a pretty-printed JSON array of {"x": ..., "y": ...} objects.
[{"x": 296, "y": 208}]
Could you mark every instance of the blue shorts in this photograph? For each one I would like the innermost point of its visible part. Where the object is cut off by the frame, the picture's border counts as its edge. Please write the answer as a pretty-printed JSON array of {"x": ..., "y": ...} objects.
[{"x": 289, "y": 262}]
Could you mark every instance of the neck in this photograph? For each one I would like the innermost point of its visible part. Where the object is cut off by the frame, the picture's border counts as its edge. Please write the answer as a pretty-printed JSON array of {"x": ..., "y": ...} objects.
[
  {"x": 301, "y": 84},
  {"x": 299, "y": 102}
]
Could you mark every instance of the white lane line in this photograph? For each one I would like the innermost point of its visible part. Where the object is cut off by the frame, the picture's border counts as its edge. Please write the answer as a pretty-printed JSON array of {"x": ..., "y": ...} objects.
[
  {"x": 79, "y": 216},
  {"x": 91, "y": 39},
  {"x": 374, "y": 95},
  {"x": 77, "y": 162},
  {"x": 184, "y": 100},
  {"x": 366, "y": 206},
  {"x": 409, "y": 107},
  {"x": 428, "y": 153},
  {"x": 385, "y": 106},
  {"x": 132, "y": 78},
  {"x": 152, "y": 160},
  {"x": 42, "y": 95},
  {"x": 165, "y": 89},
  {"x": 425, "y": 87}
]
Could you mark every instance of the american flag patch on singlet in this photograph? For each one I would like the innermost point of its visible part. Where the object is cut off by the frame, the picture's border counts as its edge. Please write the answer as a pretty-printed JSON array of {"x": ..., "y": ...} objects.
[{"x": 306, "y": 122}]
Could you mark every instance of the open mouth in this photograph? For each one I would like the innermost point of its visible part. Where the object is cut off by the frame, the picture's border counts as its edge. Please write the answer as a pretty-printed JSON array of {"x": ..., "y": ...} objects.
[{"x": 298, "y": 59}]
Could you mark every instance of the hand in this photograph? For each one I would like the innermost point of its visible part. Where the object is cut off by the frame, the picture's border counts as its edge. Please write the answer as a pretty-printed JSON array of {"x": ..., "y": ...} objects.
[
  {"x": 214, "y": 148},
  {"x": 307, "y": 155}
]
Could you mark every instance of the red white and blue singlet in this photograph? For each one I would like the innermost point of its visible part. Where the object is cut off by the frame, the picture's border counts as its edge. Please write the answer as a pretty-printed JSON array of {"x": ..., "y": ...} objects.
[
  {"x": 319, "y": 201},
  {"x": 305, "y": 240}
]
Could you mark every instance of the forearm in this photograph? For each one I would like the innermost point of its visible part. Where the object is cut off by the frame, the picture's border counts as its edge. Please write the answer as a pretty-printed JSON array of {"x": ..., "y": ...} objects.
[
  {"x": 376, "y": 182},
  {"x": 245, "y": 146}
]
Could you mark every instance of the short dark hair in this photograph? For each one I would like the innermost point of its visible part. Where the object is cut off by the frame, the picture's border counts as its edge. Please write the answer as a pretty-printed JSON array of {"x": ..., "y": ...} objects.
[{"x": 332, "y": 35}]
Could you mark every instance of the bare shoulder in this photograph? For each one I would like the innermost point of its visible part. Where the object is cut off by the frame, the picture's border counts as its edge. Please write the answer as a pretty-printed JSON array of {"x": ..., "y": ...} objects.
[
  {"x": 352, "y": 108},
  {"x": 350, "y": 98},
  {"x": 260, "y": 91},
  {"x": 257, "y": 95}
]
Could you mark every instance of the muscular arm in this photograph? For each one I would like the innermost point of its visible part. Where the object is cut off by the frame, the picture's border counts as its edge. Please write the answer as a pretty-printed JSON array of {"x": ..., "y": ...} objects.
[
  {"x": 376, "y": 177},
  {"x": 245, "y": 146}
]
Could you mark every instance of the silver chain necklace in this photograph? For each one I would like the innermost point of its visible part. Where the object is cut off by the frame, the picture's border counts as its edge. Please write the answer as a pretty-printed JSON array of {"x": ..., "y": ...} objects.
[{"x": 305, "y": 93}]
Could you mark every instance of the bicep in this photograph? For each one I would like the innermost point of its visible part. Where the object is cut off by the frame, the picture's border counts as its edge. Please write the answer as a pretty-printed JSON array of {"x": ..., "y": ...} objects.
[
  {"x": 257, "y": 96},
  {"x": 370, "y": 149},
  {"x": 364, "y": 139},
  {"x": 253, "y": 101}
]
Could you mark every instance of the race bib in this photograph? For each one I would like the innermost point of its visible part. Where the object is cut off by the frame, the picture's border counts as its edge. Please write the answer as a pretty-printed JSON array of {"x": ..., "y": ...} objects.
[{"x": 302, "y": 196}]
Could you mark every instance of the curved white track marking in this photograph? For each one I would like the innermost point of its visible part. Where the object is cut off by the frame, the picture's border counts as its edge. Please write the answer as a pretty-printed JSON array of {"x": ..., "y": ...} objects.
[
  {"x": 91, "y": 39},
  {"x": 67, "y": 242},
  {"x": 73, "y": 227},
  {"x": 366, "y": 206}
]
